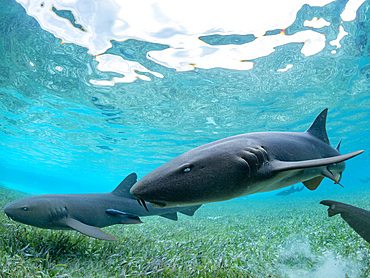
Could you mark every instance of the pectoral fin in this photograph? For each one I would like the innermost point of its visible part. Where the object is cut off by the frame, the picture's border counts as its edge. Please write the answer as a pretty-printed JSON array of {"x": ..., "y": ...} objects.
[
  {"x": 312, "y": 184},
  {"x": 189, "y": 210},
  {"x": 278, "y": 165},
  {"x": 88, "y": 230},
  {"x": 357, "y": 218},
  {"x": 171, "y": 215}
]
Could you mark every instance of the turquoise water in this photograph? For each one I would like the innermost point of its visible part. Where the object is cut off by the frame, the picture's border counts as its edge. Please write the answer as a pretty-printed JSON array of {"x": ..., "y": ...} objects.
[
  {"x": 91, "y": 91},
  {"x": 63, "y": 130}
]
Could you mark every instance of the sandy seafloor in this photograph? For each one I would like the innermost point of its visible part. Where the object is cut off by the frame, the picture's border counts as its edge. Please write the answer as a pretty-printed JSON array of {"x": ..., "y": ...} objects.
[{"x": 287, "y": 236}]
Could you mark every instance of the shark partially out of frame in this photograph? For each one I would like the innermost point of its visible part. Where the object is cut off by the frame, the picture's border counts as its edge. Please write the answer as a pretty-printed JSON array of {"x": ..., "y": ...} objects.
[{"x": 357, "y": 218}]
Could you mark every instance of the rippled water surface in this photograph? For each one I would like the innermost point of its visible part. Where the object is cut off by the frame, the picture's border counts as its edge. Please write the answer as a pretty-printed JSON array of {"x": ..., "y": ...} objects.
[{"x": 91, "y": 91}]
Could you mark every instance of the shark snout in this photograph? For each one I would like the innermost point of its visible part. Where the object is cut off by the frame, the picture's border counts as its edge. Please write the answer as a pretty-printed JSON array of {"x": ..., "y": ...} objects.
[
  {"x": 143, "y": 194},
  {"x": 9, "y": 211},
  {"x": 17, "y": 210}
]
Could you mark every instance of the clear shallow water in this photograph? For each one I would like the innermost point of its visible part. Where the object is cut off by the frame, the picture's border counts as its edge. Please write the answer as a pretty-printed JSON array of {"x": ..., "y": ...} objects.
[
  {"x": 67, "y": 126},
  {"x": 90, "y": 92}
]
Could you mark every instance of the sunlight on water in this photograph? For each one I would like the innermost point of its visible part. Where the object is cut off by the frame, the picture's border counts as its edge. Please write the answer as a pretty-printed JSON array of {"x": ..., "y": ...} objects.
[{"x": 178, "y": 25}]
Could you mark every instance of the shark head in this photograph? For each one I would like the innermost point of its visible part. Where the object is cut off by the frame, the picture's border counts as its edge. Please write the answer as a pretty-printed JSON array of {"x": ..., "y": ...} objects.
[
  {"x": 35, "y": 211},
  {"x": 195, "y": 177}
]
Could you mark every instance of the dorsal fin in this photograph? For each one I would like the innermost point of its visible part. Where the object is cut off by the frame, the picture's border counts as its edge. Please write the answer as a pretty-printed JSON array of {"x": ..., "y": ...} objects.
[
  {"x": 123, "y": 189},
  {"x": 318, "y": 127}
]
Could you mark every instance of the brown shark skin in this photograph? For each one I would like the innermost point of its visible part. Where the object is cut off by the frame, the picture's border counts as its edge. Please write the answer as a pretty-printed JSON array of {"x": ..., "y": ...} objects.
[
  {"x": 357, "y": 218},
  {"x": 242, "y": 165}
]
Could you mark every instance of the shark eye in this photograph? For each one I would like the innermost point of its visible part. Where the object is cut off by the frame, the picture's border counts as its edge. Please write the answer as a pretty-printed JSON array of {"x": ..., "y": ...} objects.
[
  {"x": 25, "y": 208},
  {"x": 187, "y": 168}
]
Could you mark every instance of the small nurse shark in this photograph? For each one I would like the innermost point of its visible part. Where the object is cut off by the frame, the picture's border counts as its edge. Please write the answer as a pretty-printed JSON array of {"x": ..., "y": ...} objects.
[
  {"x": 289, "y": 191},
  {"x": 87, "y": 213},
  {"x": 357, "y": 218},
  {"x": 243, "y": 165}
]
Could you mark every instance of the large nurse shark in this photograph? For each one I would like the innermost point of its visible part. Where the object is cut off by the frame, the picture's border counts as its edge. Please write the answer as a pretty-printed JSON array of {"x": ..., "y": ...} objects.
[
  {"x": 243, "y": 165},
  {"x": 357, "y": 218},
  {"x": 87, "y": 213}
]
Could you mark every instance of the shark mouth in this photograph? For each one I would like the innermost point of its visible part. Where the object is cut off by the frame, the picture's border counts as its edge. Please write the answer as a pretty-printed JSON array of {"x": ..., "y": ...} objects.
[
  {"x": 158, "y": 204},
  {"x": 153, "y": 204}
]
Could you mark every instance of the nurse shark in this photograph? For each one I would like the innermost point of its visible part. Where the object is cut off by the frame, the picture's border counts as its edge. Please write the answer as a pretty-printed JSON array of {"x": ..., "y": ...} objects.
[
  {"x": 87, "y": 213},
  {"x": 242, "y": 165},
  {"x": 357, "y": 218},
  {"x": 289, "y": 191}
]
